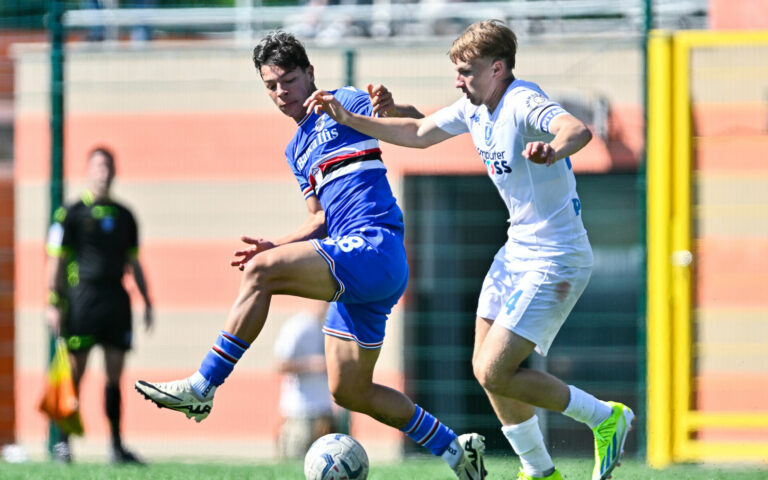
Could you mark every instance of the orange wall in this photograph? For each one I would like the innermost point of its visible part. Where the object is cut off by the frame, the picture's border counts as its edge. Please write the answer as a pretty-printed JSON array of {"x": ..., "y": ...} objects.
[
  {"x": 226, "y": 145},
  {"x": 738, "y": 14},
  {"x": 731, "y": 271}
]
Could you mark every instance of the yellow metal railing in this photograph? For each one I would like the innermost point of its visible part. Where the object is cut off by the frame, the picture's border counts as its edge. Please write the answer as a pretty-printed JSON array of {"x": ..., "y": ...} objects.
[{"x": 672, "y": 419}]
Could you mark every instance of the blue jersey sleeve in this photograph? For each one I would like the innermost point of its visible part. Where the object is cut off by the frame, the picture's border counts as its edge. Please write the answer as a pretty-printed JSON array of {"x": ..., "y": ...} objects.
[
  {"x": 304, "y": 185},
  {"x": 355, "y": 100}
]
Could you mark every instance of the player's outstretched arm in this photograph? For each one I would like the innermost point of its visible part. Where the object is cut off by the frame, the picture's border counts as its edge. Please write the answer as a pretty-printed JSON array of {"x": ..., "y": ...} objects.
[
  {"x": 571, "y": 135},
  {"x": 407, "y": 132}
]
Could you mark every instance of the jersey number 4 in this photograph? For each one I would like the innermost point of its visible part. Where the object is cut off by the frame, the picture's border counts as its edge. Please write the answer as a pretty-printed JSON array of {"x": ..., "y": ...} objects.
[{"x": 512, "y": 302}]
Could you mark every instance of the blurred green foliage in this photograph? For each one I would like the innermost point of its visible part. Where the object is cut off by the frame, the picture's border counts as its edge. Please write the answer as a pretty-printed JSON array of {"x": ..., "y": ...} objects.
[{"x": 22, "y": 13}]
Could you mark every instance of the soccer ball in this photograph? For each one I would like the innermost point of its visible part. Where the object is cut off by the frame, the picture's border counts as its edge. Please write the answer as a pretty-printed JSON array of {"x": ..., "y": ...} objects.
[{"x": 336, "y": 457}]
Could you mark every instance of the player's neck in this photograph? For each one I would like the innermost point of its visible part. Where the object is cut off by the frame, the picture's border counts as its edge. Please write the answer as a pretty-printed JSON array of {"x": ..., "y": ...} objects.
[
  {"x": 498, "y": 93},
  {"x": 97, "y": 195}
]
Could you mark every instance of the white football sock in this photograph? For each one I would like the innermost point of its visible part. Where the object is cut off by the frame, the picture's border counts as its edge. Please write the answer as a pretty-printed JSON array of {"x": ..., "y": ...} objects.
[
  {"x": 453, "y": 453},
  {"x": 528, "y": 443},
  {"x": 585, "y": 408},
  {"x": 199, "y": 383}
]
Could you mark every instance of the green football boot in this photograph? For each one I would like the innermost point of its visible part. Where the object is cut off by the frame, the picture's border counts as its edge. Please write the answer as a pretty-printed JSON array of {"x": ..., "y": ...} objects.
[
  {"x": 553, "y": 476},
  {"x": 609, "y": 440}
]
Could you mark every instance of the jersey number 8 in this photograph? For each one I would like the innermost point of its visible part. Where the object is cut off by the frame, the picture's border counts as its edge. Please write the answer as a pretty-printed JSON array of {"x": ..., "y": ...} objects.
[{"x": 347, "y": 244}]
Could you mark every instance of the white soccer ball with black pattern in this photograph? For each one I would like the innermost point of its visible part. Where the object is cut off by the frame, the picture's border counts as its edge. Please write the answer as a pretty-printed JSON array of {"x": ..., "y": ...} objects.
[{"x": 336, "y": 457}]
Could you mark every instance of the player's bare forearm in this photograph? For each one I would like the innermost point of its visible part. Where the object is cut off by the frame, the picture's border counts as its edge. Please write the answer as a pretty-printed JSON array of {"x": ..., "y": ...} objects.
[
  {"x": 401, "y": 131},
  {"x": 383, "y": 104},
  {"x": 571, "y": 135},
  {"x": 313, "y": 227},
  {"x": 406, "y": 111},
  {"x": 570, "y": 139},
  {"x": 406, "y": 132},
  {"x": 141, "y": 282}
]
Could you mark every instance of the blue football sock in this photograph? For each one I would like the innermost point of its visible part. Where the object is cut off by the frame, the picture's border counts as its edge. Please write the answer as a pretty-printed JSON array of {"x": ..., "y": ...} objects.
[
  {"x": 428, "y": 431},
  {"x": 222, "y": 357}
]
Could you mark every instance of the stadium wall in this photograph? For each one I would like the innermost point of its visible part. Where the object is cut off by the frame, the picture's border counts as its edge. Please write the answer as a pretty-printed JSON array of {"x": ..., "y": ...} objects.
[
  {"x": 741, "y": 15},
  {"x": 200, "y": 160}
]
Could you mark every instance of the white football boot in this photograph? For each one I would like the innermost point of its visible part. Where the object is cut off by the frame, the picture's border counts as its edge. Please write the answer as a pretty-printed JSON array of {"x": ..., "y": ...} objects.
[
  {"x": 470, "y": 465},
  {"x": 178, "y": 395}
]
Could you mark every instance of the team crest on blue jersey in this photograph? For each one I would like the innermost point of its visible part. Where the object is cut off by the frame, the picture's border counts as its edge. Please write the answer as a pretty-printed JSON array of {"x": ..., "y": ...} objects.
[
  {"x": 488, "y": 133},
  {"x": 320, "y": 124}
]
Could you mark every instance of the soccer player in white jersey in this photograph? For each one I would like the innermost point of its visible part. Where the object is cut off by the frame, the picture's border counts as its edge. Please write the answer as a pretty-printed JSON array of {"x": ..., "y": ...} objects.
[{"x": 525, "y": 141}]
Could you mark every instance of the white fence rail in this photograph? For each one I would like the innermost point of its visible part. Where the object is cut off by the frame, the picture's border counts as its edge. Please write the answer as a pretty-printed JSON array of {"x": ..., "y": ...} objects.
[{"x": 538, "y": 17}]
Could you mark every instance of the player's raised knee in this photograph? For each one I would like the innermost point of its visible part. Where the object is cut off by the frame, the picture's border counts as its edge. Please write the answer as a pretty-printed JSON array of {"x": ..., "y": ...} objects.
[
  {"x": 345, "y": 399},
  {"x": 259, "y": 270},
  {"x": 349, "y": 397}
]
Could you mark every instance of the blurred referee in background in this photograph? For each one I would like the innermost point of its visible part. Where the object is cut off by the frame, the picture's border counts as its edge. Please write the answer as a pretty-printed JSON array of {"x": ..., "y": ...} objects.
[{"x": 92, "y": 244}]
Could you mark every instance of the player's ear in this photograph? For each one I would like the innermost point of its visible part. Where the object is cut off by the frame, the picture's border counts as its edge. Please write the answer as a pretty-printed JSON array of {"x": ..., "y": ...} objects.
[
  {"x": 311, "y": 73},
  {"x": 498, "y": 67}
]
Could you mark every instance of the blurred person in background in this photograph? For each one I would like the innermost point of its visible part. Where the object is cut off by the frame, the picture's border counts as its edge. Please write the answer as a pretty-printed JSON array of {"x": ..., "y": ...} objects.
[
  {"x": 91, "y": 245},
  {"x": 97, "y": 33},
  {"x": 139, "y": 33},
  {"x": 306, "y": 406},
  {"x": 349, "y": 251},
  {"x": 525, "y": 141}
]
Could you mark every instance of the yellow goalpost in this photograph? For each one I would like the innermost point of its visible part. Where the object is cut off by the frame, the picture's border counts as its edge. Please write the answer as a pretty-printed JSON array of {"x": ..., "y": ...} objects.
[{"x": 675, "y": 420}]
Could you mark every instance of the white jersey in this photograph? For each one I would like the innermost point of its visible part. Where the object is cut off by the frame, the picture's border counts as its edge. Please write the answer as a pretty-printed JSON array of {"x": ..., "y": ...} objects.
[
  {"x": 544, "y": 208},
  {"x": 302, "y": 395}
]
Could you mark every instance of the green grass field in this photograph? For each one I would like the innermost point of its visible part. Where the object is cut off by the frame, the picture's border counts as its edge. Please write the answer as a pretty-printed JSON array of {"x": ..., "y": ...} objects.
[{"x": 411, "y": 469}]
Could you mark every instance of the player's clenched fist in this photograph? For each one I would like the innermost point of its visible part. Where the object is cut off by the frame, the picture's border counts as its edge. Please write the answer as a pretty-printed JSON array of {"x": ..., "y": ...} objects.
[{"x": 540, "y": 152}]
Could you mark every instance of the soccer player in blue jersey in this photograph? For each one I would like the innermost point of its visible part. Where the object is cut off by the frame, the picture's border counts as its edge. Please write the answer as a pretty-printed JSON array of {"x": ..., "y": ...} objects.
[
  {"x": 525, "y": 140},
  {"x": 349, "y": 251}
]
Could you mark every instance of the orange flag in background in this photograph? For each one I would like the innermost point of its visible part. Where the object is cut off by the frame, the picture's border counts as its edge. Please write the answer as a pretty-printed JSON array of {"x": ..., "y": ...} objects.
[{"x": 59, "y": 400}]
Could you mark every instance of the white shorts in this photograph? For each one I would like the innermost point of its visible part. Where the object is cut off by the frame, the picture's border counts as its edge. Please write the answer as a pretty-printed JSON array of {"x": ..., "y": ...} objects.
[{"x": 531, "y": 297}]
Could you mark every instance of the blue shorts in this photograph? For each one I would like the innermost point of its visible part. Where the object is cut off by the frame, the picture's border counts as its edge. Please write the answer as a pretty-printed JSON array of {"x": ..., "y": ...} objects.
[{"x": 371, "y": 269}]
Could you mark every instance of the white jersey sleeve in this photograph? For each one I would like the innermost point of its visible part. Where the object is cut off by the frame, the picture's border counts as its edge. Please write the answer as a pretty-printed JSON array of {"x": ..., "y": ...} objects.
[
  {"x": 452, "y": 119},
  {"x": 536, "y": 111}
]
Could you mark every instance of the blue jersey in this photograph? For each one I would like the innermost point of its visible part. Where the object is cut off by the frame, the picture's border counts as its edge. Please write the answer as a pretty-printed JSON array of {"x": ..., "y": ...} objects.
[{"x": 343, "y": 168}]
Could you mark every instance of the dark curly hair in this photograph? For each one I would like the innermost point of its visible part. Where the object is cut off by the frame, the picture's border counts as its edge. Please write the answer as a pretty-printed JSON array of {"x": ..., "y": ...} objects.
[{"x": 281, "y": 49}]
